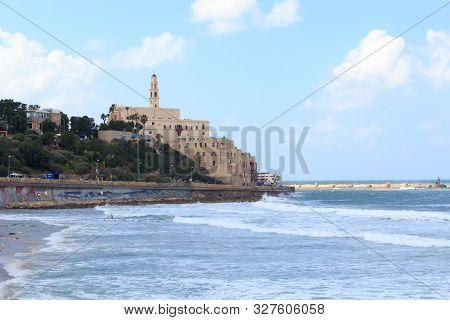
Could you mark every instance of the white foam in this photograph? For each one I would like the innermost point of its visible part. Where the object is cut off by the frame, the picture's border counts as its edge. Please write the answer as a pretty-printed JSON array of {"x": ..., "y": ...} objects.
[
  {"x": 17, "y": 269},
  {"x": 58, "y": 241},
  {"x": 283, "y": 206},
  {"x": 382, "y": 238}
]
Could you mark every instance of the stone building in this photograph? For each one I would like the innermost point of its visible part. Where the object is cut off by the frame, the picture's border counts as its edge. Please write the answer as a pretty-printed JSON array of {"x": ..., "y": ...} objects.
[
  {"x": 219, "y": 156},
  {"x": 36, "y": 117}
]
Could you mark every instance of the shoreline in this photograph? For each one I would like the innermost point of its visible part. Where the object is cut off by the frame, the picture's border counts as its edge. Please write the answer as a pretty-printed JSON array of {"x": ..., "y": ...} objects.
[
  {"x": 73, "y": 204},
  {"x": 19, "y": 238},
  {"x": 366, "y": 186}
]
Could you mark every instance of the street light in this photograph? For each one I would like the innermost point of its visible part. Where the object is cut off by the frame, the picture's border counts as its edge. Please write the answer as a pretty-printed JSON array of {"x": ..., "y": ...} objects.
[
  {"x": 171, "y": 171},
  {"x": 192, "y": 170},
  {"x": 9, "y": 164},
  {"x": 96, "y": 169}
]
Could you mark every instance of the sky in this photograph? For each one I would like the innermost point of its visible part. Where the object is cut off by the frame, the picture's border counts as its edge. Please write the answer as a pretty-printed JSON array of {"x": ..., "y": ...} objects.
[{"x": 241, "y": 63}]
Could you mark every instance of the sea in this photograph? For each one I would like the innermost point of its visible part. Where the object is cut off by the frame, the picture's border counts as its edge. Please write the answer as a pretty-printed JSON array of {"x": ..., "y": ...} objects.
[{"x": 315, "y": 244}]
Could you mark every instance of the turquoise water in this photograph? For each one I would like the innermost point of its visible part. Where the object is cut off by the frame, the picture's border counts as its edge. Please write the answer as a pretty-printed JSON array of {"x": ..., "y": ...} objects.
[{"x": 334, "y": 244}]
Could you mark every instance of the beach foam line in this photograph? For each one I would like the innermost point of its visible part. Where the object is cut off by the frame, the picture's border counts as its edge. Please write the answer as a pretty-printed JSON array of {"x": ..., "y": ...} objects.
[
  {"x": 381, "y": 238},
  {"x": 18, "y": 271}
]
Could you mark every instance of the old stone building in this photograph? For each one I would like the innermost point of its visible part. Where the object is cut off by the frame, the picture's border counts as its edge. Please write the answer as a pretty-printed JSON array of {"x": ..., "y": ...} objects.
[
  {"x": 36, "y": 117},
  {"x": 219, "y": 156}
]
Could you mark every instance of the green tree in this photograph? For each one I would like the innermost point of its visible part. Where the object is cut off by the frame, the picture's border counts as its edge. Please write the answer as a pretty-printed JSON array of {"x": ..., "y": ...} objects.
[
  {"x": 48, "y": 138},
  {"x": 64, "y": 122},
  {"x": 83, "y": 126},
  {"x": 48, "y": 126},
  {"x": 144, "y": 120},
  {"x": 14, "y": 113},
  {"x": 34, "y": 154},
  {"x": 68, "y": 141}
]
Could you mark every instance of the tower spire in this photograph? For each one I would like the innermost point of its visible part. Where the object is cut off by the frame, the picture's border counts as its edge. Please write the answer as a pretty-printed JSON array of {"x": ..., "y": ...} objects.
[{"x": 154, "y": 92}]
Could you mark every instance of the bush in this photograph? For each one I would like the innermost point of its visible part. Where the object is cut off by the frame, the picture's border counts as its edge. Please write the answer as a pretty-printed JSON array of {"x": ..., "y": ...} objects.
[
  {"x": 19, "y": 137},
  {"x": 48, "y": 138},
  {"x": 3, "y": 171},
  {"x": 82, "y": 168}
]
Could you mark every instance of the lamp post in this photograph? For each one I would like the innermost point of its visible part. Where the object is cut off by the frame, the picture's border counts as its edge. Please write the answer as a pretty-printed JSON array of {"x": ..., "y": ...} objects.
[
  {"x": 192, "y": 170},
  {"x": 9, "y": 165},
  {"x": 96, "y": 170},
  {"x": 171, "y": 171}
]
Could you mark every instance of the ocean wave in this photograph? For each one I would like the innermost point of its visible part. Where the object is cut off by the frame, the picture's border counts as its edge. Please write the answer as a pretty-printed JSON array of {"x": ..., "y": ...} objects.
[
  {"x": 283, "y": 205},
  {"x": 382, "y": 238}
]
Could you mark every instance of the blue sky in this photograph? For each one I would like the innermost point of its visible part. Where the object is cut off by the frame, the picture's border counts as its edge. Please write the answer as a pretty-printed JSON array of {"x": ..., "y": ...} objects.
[{"x": 243, "y": 62}]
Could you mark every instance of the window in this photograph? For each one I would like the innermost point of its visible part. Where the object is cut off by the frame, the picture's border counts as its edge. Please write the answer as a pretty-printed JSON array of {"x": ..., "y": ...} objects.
[
  {"x": 203, "y": 133},
  {"x": 204, "y": 154},
  {"x": 206, "y": 145},
  {"x": 214, "y": 162},
  {"x": 156, "y": 94},
  {"x": 213, "y": 145},
  {"x": 153, "y": 123},
  {"x": 185, "y": 127},
  {"x": 203, "y": 126},
  {"x": 191, "y": 127},
  {"x": 196, "y": 144},
  {"x": 196, "y": 127},
  {"x": 150, "y": 94},
  {"x": 200, "y": 144},
  {"x": 164, "y": 126}
]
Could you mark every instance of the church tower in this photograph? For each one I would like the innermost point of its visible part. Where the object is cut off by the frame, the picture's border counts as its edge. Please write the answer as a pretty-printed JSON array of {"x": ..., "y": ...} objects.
[{"x": 154, "y": 92}]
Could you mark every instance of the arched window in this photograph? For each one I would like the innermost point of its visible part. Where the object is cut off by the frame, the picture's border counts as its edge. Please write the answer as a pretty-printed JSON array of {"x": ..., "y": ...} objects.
[{"x": 156, "y": 94}]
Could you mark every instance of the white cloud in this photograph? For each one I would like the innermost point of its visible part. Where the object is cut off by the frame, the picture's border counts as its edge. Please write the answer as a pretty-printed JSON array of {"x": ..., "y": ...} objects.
[
  {"x": 395, "y": 66},
  {"x": 437, "y": 54},
  {"x": 370, "y": 132},
  {"x": 225, "y": 16},
  {"x": 33, "y": 75},
  {"x": 283, "y": 14},
  {"x": 387, "y": 69},
  {"x": 152, "y": 52},
  {"x": 430, "y": 125},
  {"x": 327, "y": 125}
]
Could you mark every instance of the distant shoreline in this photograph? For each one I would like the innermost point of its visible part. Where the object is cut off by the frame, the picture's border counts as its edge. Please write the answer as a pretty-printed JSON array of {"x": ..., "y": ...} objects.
[{"x": 366, "y": 186}]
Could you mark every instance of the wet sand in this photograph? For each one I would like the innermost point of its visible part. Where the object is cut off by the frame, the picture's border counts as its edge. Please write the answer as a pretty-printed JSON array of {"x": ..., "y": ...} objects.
[{"x": 18, "y": 238}]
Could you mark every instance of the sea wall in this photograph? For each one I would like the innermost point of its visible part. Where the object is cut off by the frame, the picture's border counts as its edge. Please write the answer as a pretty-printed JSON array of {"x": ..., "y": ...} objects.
[{"x": 21, "y": 193}]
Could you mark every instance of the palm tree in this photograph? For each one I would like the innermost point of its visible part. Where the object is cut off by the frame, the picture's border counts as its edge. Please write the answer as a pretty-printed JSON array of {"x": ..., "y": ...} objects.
[
  {"x": 104, "y": 117},
  {"x": 112, "y": 108},
  {"x": 179, "y": 129},
  {"x": 144, "y": 120}
]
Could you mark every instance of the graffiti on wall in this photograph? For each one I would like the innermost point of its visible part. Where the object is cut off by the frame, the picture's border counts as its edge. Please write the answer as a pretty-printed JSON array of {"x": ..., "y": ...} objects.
[{"x": 16, "y": 194}]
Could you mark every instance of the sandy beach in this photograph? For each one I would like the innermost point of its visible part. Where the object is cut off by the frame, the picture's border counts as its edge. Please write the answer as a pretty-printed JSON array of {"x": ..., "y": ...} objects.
[{"x": 19, "y": 238}]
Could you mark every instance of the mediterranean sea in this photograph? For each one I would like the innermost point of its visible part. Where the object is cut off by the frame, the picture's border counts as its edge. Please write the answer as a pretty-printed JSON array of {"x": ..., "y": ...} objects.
[{"x": 315, "y": 244}]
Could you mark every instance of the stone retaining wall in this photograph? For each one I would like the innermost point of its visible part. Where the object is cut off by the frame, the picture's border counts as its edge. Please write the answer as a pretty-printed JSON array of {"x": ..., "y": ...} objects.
[{"x": 15, "y": 192}]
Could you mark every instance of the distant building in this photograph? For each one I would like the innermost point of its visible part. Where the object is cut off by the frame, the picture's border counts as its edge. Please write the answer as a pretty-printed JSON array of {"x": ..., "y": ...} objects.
[
  {"x": 267, "y": 178},
  {"x": 219, "y": 156},
  {"x": 36, "y": 117}
]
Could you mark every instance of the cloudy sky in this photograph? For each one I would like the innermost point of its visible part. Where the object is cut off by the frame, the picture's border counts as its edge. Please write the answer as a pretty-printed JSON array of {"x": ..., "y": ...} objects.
[{"x": 243, "y": 62}]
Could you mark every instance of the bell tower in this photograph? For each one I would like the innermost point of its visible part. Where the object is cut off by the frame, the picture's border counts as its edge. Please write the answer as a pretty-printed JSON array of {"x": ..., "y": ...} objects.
[{"x": 154, "y": 92}]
